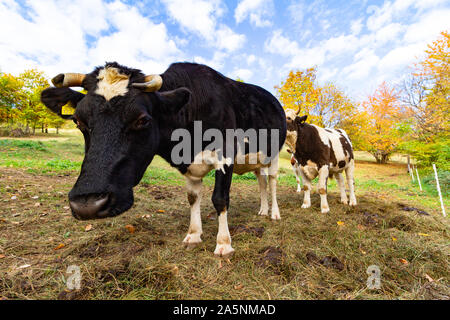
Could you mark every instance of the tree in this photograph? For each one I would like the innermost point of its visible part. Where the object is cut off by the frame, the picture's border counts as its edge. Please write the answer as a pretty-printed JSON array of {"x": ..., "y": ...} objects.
[
  {"x": 326, "y": 106},
  {"x": 426, "y": 91},
  {"x": 33, "y": 111},
  {"x": 10, "y": 98},
  {"x": 385, "y": 116}
]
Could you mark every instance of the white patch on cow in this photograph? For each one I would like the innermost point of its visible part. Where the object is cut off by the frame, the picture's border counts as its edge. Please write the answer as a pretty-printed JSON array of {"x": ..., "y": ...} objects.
[
  {"x": 262, "y": 181},
  {"x": 194, "y": 190},
  {"x": 323, "y": 135},
  {"x": 206, "y": 161},
  {"x": 273, "y": 175},
  {"x": 350, "y": 181},
  {"x": 223, "y": 247},
  {"x": 322, "y": 186},
  {"x": 111, "y": 83},
  {"x": 249, "y": 162},
  {"x": 310, "y": 170}
]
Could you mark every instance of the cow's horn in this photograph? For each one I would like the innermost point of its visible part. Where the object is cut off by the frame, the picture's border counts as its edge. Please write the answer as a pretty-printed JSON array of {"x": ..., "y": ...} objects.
[
  {"x": 68, "y": 80},
  {"x": 152, "y": 83},
  {"x": 298, "y": 112}
]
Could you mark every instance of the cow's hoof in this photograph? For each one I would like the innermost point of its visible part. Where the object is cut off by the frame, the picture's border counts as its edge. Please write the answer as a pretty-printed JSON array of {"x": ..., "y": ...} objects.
[
  {"x": 306, "y": 206},
  {"x": 353, "y": 203},
  {"x": 325, "y": 210},
  {"x": 299, "y": 190},
  {"x": 263, "y": 212},
  {"x": 275, "y": 216},
  {"x": 192, "y": 240},
  {"x": 344, "y": 201},
  {"x": 224, "y": 251}
]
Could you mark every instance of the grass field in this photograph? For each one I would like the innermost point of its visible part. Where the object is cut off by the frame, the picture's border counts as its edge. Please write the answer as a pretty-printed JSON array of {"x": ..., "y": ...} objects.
[{"x": 306, "y": 255}]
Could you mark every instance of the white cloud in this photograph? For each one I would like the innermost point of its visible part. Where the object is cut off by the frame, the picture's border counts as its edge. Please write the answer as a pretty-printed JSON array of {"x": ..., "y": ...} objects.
[
  {"x": 198, "y": 16},
  {"x": 53, "y": 37},
  {"x": 257, "y": 11},
  {"x": 281, "y": 45},
  {"x": 356, "y": 26},
  {"x": 201, "y": 18},
  {"x": 229, "y": 40},
  {"x": 244, "y": 74},
  {"x": 428, "y": 27}
]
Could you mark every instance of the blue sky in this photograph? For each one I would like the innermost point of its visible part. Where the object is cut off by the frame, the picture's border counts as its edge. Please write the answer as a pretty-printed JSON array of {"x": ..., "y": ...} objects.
[{"x": 355, "y": 44}]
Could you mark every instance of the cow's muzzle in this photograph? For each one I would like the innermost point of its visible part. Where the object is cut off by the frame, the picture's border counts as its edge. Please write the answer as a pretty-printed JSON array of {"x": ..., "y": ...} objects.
[{"x": 92, "y": 206}]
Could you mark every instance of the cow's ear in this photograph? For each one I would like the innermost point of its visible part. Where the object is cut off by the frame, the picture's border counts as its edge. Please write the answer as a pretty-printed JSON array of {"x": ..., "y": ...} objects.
[
  {"x": 172, "y": 101},
  {"x": 61, "y": 100},
  {"x": 300, "y": 120}
]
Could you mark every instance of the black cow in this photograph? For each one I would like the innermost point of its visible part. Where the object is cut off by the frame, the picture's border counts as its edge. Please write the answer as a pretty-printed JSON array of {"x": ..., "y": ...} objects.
[
  {"x": 127, "y": 118},
  {"x": 320, "y": 152}
]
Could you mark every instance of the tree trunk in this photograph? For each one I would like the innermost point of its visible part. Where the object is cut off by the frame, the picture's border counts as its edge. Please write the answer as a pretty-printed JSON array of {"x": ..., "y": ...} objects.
[{"x": 57, "y": 130}]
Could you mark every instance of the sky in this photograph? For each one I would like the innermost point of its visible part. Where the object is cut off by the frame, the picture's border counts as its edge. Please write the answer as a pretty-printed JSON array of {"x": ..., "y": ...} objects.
[{"x": 356, "y": 44}]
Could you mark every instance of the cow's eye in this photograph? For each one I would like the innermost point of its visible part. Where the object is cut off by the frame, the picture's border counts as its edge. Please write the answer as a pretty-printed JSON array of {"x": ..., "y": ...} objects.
[{"x": 142, "y": 122}]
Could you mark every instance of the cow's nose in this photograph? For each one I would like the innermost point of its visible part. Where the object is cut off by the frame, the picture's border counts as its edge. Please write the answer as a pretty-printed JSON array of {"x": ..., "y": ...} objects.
[{"x": 90, "y": 206}]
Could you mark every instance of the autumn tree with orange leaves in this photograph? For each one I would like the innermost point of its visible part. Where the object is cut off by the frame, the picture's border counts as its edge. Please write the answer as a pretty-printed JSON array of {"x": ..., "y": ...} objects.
[
  {"x": 326, "y": 106},
  {"x": 385, "y": 114}
]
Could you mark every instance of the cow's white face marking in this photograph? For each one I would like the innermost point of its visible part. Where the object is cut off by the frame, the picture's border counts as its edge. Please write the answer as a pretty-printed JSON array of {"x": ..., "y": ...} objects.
[{"x": 111, "y": 83}]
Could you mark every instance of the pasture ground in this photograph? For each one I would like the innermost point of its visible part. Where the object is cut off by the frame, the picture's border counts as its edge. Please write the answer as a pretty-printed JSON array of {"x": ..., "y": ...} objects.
[{"x": 306, "y": 255}]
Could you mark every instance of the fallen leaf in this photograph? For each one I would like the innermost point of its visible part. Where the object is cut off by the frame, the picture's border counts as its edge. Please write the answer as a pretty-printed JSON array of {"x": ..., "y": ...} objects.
[
  {"x": 423, "y": 234},
  {"x": 130, "y": 228},
  {"x": 430, "y": 279},
  {"x": 35, "y": 197},
  {"x": 146, "y": 216},
  {"x": 88, "y": 228},
  {"x": 66, "y": 207},
  {"x": 161, "y": 211},
  {"x": 37, "y": 204},
  {"x": 404, "y": 261},
  {"x": 2, "y": 256},
  {"x": 238, "y": 286},
  {"x": 394, "y": 239},
  {"x": 24, "y": 266},
  {"x": 13, "y": 197},
  {"x": 340, "y": 223},
  {"x": 362, "y": 251},
  {"x": 360, "y": 227},
  {"x": 59, "y": 246}
]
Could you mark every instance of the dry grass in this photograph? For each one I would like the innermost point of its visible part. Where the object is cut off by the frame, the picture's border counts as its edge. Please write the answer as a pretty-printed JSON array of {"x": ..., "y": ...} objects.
[{"x": 306, "y": 255}]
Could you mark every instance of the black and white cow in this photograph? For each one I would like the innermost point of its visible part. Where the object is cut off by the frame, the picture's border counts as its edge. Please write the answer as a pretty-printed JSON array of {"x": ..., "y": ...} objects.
[
  {"x": 320, "y": 152},
  {"x": 127, "y": 118}
]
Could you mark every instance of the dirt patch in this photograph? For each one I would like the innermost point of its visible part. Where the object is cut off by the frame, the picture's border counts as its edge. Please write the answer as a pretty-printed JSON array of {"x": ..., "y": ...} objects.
[
  {"x": 270, "y": 256},
  {"x": 402, "y": 222},
  {"x": 370, "y": 219},
  {"x": 404, "y": 207},
  {"x": 327, "y": 261},
  {"x": 258, "y": 232}
]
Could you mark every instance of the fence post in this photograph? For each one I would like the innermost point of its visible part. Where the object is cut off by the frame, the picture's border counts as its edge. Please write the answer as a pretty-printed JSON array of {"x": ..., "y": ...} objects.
[
  {"x": 418, "y": 179},
  {"x": 411, "y": 173},
  {"x": 439, "y": 190}
]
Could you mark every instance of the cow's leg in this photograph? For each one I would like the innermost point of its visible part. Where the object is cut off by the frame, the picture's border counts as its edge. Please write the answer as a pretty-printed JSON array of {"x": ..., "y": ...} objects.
[
  {"x": 341, "y": 183},
  {"x": 262, "y": 181},
  {"x": 273, "y": 175},
  {"x": 322, "y": 186},
  {"x": 220, "y": 199},
  {"x": 194, "y": 194},
  {"x": 296, "y": 169},
  {"x": 307, "y": 186},
  {"x": 351, "y": 182}
]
